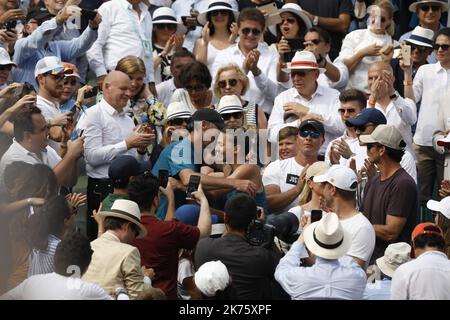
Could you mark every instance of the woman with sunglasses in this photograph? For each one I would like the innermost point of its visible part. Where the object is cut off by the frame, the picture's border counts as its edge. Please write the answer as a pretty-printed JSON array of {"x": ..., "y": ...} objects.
[
  {"x": 178, "y": 117},
  {"x": 167, "y": 36},
  {"x": 219, "y": 30},
  {"x": 363, "y": 47},
  {"x": 231, "y": 80}
]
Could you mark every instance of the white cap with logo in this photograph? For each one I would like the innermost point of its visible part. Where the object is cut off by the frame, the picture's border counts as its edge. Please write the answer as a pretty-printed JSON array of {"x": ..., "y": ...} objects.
[
  {"x": 47, "y": 64},
  {"x": 339, "y": 176}
]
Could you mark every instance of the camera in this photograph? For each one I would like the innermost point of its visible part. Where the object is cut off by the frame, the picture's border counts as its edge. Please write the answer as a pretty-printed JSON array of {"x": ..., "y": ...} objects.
[
  {"x": 286, "y": 225},
  {"x": 260, "y": 234},
  {"x": 11, "y": 25}
]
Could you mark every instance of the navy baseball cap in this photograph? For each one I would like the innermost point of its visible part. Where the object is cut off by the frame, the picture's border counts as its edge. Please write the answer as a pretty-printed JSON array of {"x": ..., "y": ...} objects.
[
  {"x": 367, "y": 115},
  {"x": 209, "y": 115},
  {"x": 124, "y": 167},
  {"x": 312, "y": 123}
]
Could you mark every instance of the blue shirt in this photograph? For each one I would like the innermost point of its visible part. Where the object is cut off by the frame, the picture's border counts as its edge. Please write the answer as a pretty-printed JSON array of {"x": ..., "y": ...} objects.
[
  {"x": 380, "y": 290},
  {"x": 325, "y": 280}
]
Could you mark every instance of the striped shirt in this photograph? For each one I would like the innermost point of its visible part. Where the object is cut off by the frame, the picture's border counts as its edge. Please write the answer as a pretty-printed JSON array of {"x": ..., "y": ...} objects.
[{"x": 41, "y": 261}]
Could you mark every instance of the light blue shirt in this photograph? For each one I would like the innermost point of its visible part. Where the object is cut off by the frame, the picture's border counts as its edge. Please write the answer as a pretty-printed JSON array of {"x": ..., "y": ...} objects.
[
  {"x": 325, "y": 280},
  {"x": 380, "y": 290},
  {"x": 29, "y": 50}
]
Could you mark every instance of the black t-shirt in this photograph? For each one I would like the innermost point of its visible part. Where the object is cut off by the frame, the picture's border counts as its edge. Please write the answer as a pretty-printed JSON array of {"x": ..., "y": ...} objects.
[
  {"x": 329, "y": 9},
  {"x": 251, "y": 268},
  {"x": 396, "y": 196}
]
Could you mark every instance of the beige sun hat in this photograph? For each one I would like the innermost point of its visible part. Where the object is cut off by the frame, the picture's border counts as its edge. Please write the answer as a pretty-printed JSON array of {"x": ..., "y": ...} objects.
[{"x": 395, "y": 255}]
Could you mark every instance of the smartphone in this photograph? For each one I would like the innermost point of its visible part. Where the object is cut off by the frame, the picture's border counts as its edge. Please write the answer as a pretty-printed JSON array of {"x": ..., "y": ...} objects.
[
  {"x": 406, "y": 55},
  {"x": 295, "y": 45},
  {"x": 316, "y": 215},
  {"x": 184, "y": 19},
  {"x": 89, "y": 14},
  {"x": 91, "y": 93},
  {"x": 194, "y": 182},
  {"x": 11, "y": 25},
  {"x": 269, "y": 8},
  {"x": 163, "y": 178}
]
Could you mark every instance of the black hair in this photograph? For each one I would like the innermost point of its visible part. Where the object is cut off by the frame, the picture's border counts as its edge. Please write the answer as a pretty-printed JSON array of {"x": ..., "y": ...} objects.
[
  {"x": 23, "y": 122},
  {"x": 301, "y": 28},
  {"x": 394, "y": 154},
  {"x": 323, "y": 34},
  {"x": 353, "y": 95},
  {"x": 212, "y": 29},
  {"x": 442, "y": 32},
  {"x": 143, "y": 189},
  {"x": 73, "y": 250},
  {"x": 252, "y": 14},
  {"x": 240, "y": 210},
  {"x": 347, "y": 195},
  {"x": 430, "y": 239},
  {"x": 182, "y": 53},
  {"x": 114, "y": 223},
  {"x": 196, "y": 71}
]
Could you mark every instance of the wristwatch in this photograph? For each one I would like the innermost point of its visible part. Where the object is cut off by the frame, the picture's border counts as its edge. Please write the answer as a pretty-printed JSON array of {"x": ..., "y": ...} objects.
[
  {"x": 394, "y": 95},
  {"x": 316, "y": 21}
]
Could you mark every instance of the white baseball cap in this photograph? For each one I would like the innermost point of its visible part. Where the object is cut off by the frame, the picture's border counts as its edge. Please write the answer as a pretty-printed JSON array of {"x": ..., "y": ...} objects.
[
  {"x": 47, "y": 64},
  {"x": 5, "y": 59},
  {"x": 339, "y": 176},
  {"x": 211, "y": 277},
  {"x": 442, "y": 206}
]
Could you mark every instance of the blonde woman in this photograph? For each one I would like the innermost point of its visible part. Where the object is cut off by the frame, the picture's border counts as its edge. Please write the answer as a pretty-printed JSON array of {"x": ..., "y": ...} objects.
[
  {"x": 231, "y": 80},
  {"x": 363, "y": 47}
]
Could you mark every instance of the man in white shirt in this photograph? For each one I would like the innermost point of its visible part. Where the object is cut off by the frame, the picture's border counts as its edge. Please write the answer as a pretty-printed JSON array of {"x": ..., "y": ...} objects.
[
  {"x": 73, "y": 251},
  {"x": 109, "y": 133},
  {"x": 428, "y": 276},
  {"x": 339, "y": 193},
  {"x": 281, "y": 178},
  {"x": 307, "y": 99},
  {"x": 255, "y": 58},
  {"x": 126, "y": 29}
]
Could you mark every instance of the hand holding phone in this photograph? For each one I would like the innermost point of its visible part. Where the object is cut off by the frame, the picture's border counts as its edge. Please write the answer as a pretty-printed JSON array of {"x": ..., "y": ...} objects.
[
  {"x": 406, "y": 55},
  {"x": 163, "y": 178},
  {"x": 194, "y": 182},
  {"x": 89, "y": 14}
]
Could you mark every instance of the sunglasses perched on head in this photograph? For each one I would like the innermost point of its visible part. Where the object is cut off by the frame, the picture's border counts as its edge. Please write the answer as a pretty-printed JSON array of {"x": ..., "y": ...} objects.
[
  {"x": 254, "y": 31},
  {"x": 223, "y": 83},
  {"x": 228, "y": 116},
  {"x": 444, "y": 47},
  {"x": 168, "y": 26},
  {"x": 311, "y": 133},
  {"x": 426, "y": 8}
]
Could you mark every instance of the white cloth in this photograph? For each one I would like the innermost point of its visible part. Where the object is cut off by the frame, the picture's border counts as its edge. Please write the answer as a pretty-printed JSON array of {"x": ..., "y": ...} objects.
[
  {"x": 262, "y": 89},
  {"x": 49, "y": 110},
  {"x": 363, "y": 237},
  {"x": 324, "y": 102},
  {"x": 118, "y": 37},
  {"x": 425, "y": 278},
  {"x": 299, "y": 212},
  {"x": 52, "y": 286},
  {"x": 106, "y": 132},
  {"x": 352, "y": 43},
  {"x": 165, "y": 91},
  {"x": 430, "y": 82},
  {"x": 326, "y": 279},
  {"x": 184, "y": 271},
  {"x": 212, "y": 54},
  {"x": 283, "y": 173},
  {"x": 340, "y": 85}
]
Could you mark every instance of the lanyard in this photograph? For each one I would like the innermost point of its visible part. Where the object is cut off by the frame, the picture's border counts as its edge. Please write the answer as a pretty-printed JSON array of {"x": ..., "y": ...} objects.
[{"x": 136, "y": 27}]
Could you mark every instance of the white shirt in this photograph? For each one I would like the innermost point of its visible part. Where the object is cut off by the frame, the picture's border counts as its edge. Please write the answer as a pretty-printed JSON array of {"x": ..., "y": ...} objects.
[
  {"x": 118, "y": 37},
  {"x": 363, "y": 236},
  {"x": 165, "y": 91},
  {"x": 324, "y": 102},
  {"x": 425, "y": 278},
  {"x": 323, "y": 80},
  {"x": 106, "y": 131},
  {"x": 285, "y": 174},
  {"x": 430, "y": 82},
  {"x": 49, "y": 110},
  {"x": 326, "y": 279},
  {"x": 262, "y": 89},
  {"x": 52, "y": 286}
]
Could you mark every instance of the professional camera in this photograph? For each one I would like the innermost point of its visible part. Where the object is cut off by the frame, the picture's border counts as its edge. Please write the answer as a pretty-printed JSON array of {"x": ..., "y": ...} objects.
[{"x": 260, "y": 234}]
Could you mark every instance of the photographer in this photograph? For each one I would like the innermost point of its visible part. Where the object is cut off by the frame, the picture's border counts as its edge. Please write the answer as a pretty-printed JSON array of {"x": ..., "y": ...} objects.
[{"x": 251, "y": 267}]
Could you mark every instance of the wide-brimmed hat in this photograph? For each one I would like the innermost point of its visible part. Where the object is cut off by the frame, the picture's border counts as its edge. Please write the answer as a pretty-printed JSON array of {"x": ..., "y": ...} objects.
[
  {"x": 422, "y": 37},
  {"x": 327, "y": 238},
  {"x": 413, "y": 6},
  {"x": 178, "y": 110},
  {"x": 303, "y": 60},
  {"x": 341, "y": 177},
  {"x": 295, "y": 9},
  {"x": 214, "y": 5},
  {"x": 395, "y": 255},
  {"x": 385, "y": 135},
  {"x": 167, "y": 16},
  {"x": 127, "y": 210},
  {"x": 442, "y": 206},
  {"x": 230, "y": 104},
  {"x": 5, "y": 59}
]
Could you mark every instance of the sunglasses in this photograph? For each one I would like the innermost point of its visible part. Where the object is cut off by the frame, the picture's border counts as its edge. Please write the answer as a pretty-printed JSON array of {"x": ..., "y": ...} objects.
[
  {"x": 371, "y": 145},
  {"x": 427, "y": 8},
  {"x": 235, "y": 115},
  {"x": 290, "y": 20},
  {"x": 168, "y": 26},
  {"x": 254, "y": 31},
  {"x": 215, "y": 13},
  {"x": 314, "y": 134},
  {"x": 312, "y": 42},
  {"x": 418, "y": 48},
  {"x": 444, "y": 47},
  {"x": 7, "y": 67},
  {"x": 178, "y": 121},
  {"x": 299, "y": 73},
  {"x": 195, "y": 88},
  {"x": 70, "y": 82},
  {"x": 363, "y": 127},
  {"x": 350, "y": 110},
  {"x": 223, "y": 83}
]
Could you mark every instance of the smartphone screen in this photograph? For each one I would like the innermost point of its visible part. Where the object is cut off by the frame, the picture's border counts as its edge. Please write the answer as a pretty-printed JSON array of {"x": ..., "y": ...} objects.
[
  {"x": 91, "y": 93},
  {"x": 194, "y": 182},
  {"x": 316, "y": 215},
  {"x": 163, "y": 178}
]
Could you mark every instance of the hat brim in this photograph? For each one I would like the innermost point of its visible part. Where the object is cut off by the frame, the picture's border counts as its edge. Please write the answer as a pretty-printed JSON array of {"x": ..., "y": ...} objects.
[
  {"x": 231, "y": 109},
  {"x": 202, "y": 18},
  {"x": 321, "y": 178},
  {"x": 385, "y": 267},
  {"x": 300, "y": 14},
  {"x": 434, "y": 205},
  {"x": 355, "y": 122},
  {"x": 142, "y": 229},
  {"x": 367, "y": 138},
  {"x": 419, "y": 43},
  {"x": 413, "y": 6},
  {"x": 180, "y": 27},
  {"x": 7, "y": 63},
  {"x": 322, "y": 252}
]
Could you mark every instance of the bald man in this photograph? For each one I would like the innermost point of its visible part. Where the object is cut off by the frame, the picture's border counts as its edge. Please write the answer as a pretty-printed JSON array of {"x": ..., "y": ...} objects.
[
  {"x": 399, "y": 112},
  {"x": 109, "y": 133}
]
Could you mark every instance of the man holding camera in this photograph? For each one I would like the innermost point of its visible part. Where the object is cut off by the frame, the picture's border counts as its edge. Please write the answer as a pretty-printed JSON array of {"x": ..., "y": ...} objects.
[{"x": 251, "y": 267}]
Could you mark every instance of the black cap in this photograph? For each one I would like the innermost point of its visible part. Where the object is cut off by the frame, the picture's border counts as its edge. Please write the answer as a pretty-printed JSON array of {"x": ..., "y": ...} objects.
[
  {"x": 39, "y": 14},
  {"x": 313, "y": 123},
  {"x": 367, "y": 115},
  {"x": 124, "y": 167},
  {"x": 209, "y": 115}
]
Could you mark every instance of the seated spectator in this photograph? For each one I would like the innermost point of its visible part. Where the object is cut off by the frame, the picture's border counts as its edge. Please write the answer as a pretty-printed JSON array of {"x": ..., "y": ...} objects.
[
  {"x": 73, "y": 250},
  {"x": 428, "y": 276},
  {"x": 395, "y": 255},
  {"x": 330, "y": 278},
  {"x": 231, "y": 110},
  {"x": 287, "y": 144},
  {"x": 177, "y": 119},
  {"x": 214, "y": 281},
  {"x": 442, "y": 219}
]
